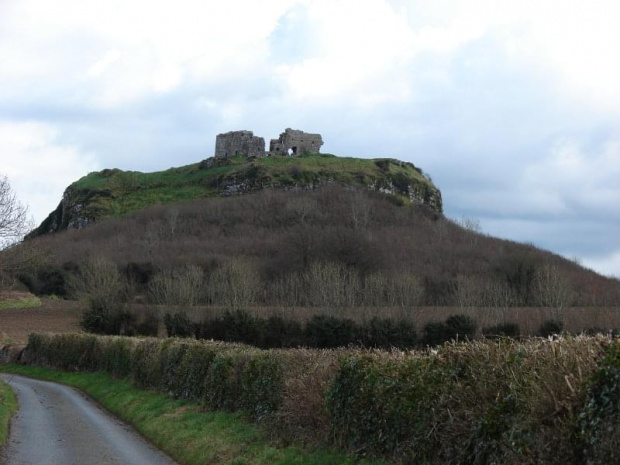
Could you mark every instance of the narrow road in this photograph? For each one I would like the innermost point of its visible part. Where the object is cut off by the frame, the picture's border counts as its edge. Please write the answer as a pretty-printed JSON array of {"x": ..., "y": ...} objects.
[{"x": 56, "y": 424}]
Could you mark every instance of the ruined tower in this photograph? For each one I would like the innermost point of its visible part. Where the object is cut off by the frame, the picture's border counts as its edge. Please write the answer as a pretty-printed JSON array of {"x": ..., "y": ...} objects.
[
  {"x": 235, "y": 143},
  {"x": 293, "y": 142}
]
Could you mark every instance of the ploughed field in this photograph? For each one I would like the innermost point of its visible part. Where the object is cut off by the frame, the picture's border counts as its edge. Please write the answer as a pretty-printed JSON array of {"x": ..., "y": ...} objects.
[{"x": 53, "y": 315}]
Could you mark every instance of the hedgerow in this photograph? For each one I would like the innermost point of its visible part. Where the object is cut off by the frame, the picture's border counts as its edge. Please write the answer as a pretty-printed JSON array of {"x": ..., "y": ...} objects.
[
  {"x": 319, "y": 332},
  {"x": 540, "y": 400}
]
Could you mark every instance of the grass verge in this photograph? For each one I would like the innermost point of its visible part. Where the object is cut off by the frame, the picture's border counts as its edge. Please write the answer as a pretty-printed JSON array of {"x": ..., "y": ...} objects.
[
  {"x": 11, "y": 304},
  {"x": 183, "y": 429},
  {"x": 8, "y": 404}
]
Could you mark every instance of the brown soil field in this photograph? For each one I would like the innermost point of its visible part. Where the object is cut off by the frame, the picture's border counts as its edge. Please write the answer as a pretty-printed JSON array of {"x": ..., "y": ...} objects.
[
  {"x": 57, "y": 316},
  {"x": 61, "y": 316}
]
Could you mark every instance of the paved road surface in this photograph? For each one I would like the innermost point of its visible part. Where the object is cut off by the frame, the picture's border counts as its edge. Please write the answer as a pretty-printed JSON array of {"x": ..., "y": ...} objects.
[{"x": 56, "y": 424}]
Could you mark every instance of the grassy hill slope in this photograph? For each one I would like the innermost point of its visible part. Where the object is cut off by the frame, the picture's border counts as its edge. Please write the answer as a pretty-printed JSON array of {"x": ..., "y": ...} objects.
[{"x": 112, "y": 193}]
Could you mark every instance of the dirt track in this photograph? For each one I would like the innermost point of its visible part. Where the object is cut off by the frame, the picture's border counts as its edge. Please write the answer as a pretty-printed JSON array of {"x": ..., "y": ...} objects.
[
  {"x": 56, "y": 424},
  {"x": 58, "y": 316}
]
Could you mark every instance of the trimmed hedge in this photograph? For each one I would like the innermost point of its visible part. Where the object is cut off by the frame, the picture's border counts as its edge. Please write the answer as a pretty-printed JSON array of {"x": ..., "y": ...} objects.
[
  {"x": 224, "y": 376},
  {"x": 482, "y": 402},
  {"x": 319, "y": 332},
  {"x": 553, "y": 401},
  {"x": 386, "y": 407}
]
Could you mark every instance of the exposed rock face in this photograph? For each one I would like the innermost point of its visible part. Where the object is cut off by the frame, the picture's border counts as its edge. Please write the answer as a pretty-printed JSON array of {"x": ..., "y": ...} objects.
[
  {"x": 418, "y": 193},
  {"x": 68, "y": 215},
  {"x": 293, "y": 142},
  {"x": 235, "y": 143}
]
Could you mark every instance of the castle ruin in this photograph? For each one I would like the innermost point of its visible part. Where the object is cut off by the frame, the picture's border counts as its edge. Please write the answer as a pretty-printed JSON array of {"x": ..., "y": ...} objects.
[
  {"x": 233, "y": 143},
  {"x": 291, "y": 142}
]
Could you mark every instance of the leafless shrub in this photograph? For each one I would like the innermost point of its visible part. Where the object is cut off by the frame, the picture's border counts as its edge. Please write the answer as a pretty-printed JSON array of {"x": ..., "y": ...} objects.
[
  {"x": 99, "y": 283},
  {"x": 236, "y": 283},
  {"x": 284, "y": 233},
  {"x": 553, "y": 288},
  {"x": 14, "y": 221},
  {"x": 16, "y": 258},
  {"x": 181, "y": 288}
]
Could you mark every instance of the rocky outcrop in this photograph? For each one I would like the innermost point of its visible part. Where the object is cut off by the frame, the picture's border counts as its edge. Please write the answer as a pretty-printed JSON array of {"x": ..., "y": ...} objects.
[
  {"x": 70, "y": 213},
  {"x": 254, "y": 179},
  {"x": 417, "y": 193}
]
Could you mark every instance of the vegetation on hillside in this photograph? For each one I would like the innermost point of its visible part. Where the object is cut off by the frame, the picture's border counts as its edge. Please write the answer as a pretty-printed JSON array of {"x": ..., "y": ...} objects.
[
  {"x": 112, "y": 193},
  {"x": 19, "y": 301},
  {"x": 333, "y": 248}
]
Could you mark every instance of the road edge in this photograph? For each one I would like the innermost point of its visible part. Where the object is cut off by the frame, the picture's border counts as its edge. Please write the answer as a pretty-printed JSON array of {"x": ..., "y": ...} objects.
[
  {"x": 8, "y": 407},
  {"x": 224, "y": 436}
]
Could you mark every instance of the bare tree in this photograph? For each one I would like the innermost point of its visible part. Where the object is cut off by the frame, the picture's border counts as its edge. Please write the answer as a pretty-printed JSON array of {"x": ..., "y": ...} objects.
[
  {"x": 14, "y": 220},
  {"x": 235, "y": 283},
  {"x": 471, "y": 224},
  {"x": 15, "y": 257},
  {"x": 172, "y": 221},
  {"x": 302, "y": 208},
  {"x": 177, "y": 288},
  {"x": 360, "y": 210},
  {"x": 100, "y": 284},
  {"x": 554, "y": 288},
  {"x": 467, "y": 291}
]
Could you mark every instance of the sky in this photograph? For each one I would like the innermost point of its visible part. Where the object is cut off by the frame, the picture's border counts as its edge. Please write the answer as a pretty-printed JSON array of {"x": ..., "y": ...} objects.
[{"x": 512, "y": 107}]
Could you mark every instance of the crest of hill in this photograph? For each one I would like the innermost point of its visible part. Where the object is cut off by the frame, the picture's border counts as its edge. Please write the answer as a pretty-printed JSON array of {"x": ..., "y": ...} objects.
[{"x": 112, "y": 193}]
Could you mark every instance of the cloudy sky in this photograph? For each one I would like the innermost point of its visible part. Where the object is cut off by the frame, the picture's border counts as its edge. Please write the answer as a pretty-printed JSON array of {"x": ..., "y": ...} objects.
[{"x": 513, "y": 107}]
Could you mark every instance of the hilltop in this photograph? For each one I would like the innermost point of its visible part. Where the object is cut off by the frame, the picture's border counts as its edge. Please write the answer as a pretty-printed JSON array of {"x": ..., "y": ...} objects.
[{"x": 113, "y": 193}]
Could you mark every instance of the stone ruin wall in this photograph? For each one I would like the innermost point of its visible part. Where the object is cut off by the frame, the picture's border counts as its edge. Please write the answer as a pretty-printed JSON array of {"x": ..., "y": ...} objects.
[
  {"x": 291, "y": 142},
  {"x": 235, "y": 143}
]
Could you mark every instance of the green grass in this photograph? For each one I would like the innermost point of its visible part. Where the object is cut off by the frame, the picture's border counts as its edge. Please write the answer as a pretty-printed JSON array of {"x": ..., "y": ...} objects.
[
  {"x": 184, "y": 430},
  {"x": 113, "y": 193},
  {"x": 8, "y": 404},
  {"x": 11, "y": 304}
]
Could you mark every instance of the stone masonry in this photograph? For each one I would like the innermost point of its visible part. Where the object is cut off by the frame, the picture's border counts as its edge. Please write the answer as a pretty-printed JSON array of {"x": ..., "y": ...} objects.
[
  {"x": 290, "y": 143},
  {"x": 235, "y": 143},
  {"x": 293, "y": 142}
]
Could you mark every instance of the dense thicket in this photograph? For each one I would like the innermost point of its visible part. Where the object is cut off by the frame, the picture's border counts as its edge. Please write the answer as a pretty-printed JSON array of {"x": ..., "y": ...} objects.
[{"x": 331, "y": 247}]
